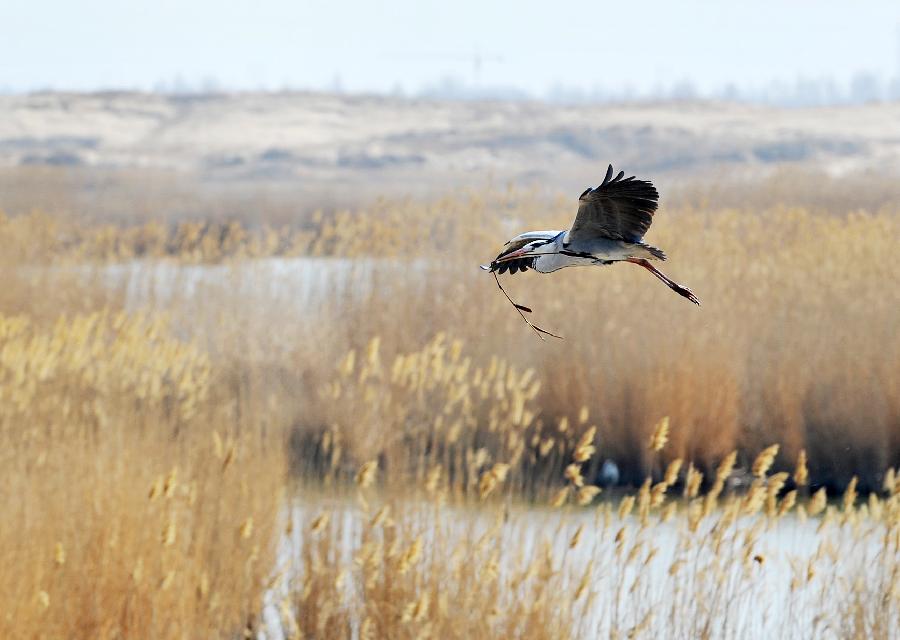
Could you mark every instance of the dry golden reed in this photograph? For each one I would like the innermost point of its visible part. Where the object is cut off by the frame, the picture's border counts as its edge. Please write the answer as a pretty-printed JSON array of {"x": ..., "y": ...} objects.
[
  {"x": 585, "y": 447},
  {"x": 660, "y": 434},
  {"x": 172, "y": 430},
  {"x": 801, "y": 473},
  {"x": 573, "y": 474},
  {"x": 818, "y": 502},
  {"x": 671, "y": 475},
  {"x": 106, "y": 426},
  {"x": 749, "y": 399},
  {"x": 366, "y": 475},
  {"x": 692, "y": 482},
  {"x": 585, "y": 495},
  {"x": 764, "y": 460},
  {"x": 559, "y": 498}
]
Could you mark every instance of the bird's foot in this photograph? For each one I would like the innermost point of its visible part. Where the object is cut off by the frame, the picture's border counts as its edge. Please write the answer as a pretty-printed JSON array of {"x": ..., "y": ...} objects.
[{"x": 687, "y": 293}]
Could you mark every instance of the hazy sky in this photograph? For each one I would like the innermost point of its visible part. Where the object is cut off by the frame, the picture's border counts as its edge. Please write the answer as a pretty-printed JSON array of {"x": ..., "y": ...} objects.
[{"x": 371, "y": 45}]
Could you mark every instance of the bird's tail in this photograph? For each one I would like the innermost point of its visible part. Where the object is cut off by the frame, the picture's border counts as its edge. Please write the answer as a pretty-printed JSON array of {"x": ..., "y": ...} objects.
[{"x": 649, "y": 251}]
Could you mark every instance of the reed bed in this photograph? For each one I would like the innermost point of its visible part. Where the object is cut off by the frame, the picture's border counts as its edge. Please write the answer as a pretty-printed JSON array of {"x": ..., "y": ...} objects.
[
  {"x": 338, "y": 428},
  {"x": 662, "y": 561},
  {"x": 130, "y": 505}
]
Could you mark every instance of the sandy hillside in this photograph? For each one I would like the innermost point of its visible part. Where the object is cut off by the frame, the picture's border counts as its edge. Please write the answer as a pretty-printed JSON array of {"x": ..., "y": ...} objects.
[
  {"x": 325, "y": 136},
  {"x": 156, "y": 155}
]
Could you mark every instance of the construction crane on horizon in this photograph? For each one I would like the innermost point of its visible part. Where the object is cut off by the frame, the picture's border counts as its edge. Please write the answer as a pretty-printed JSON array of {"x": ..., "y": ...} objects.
[{"x": 477, "y": 59}]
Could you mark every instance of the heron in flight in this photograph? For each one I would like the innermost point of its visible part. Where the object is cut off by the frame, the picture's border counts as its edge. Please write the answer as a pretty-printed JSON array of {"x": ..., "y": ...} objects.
[{"x": 609, "y": 227}]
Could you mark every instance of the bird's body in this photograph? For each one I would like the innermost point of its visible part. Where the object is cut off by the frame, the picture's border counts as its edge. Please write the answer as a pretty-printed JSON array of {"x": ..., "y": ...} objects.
[
  {"x": 553, "y": 250},
  {"x": 609, "y": 227}
]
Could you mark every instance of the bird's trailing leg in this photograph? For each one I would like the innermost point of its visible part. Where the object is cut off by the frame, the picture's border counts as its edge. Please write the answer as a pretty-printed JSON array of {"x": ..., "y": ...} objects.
[{"x": 674, "y": 286}]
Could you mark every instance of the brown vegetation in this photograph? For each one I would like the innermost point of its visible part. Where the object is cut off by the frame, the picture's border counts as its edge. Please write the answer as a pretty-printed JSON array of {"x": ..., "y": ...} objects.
[
  {"x": 144, "y": 452},
  {"x": 130, "y": 505}
]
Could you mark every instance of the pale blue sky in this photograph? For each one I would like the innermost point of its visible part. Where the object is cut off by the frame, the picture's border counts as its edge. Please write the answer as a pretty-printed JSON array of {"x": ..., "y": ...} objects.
[{"x": 377, "y": 46}]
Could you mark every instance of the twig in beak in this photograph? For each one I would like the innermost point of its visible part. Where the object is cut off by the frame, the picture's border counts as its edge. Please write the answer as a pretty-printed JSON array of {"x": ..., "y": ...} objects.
[{"x": 520, "y": 308}]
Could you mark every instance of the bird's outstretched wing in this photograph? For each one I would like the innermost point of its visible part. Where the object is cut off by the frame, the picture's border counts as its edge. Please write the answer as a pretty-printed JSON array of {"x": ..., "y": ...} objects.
[{"x": 620, "y": 209}]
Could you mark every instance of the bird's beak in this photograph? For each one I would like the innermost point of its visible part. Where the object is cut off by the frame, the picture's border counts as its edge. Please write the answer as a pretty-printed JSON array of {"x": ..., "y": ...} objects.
[{"x": 518, "y": 253}]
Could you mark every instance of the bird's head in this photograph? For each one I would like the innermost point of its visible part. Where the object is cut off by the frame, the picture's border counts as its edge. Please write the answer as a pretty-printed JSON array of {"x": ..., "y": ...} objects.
[{"x": 526, "y": 244}]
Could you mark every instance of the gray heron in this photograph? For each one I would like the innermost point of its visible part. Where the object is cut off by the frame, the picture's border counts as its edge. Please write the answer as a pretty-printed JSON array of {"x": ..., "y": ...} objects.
[{"x": 609, "y": 227}]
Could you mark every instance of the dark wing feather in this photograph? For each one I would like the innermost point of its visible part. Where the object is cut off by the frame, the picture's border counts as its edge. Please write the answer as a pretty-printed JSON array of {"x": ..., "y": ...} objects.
[
  {"x": 513, "y": 266},
  {"x": 620, "y": 208}
]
